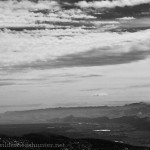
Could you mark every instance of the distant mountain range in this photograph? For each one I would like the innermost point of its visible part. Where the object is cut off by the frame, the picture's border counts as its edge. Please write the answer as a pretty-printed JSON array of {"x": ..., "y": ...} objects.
[
  {"x": 141, "y": 110},
  {"x": 128, "y": 124}
]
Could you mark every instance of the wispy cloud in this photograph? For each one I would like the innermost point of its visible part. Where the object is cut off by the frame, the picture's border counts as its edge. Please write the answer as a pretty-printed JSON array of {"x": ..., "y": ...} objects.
[
  {"x": 90, "y": 76},
  {"x": 64, "y": 81},
  {"x": 140, "y": 86},
  {"x": 6, "y": 84},
  {"x": 92, "y": 89},
  {"x": 117, "y": 88},
  {"x": 23, "y": 105}
]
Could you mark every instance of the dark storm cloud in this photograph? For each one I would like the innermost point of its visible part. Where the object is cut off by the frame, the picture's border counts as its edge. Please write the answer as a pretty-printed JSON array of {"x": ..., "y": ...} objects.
[
  {"x": 96, "y": 58},
  {"x": 135, "y": 11},
  {"x": 85, "y": 59}
]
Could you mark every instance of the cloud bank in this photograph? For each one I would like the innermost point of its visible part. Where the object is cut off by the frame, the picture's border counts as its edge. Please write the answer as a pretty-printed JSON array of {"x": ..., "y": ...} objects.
[
  {"x": 110, "y": 4},
  {"x": 90, "y": 49},
  {"x": 61, "y": 39}
]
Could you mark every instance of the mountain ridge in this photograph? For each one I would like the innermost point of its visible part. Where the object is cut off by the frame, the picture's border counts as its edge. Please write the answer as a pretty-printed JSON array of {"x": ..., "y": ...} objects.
[{"x": 141, "y": 110}]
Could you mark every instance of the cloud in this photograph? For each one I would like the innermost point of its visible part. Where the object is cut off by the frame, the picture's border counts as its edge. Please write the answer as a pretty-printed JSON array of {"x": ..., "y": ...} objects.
[
  {"x": 6, "y": 83},
  {"x": 110, "y": 4},
  {"x": 126, "y": 18},
  {"x": 23, "y": 79},
  {"x": 74, "y": 78},
  {"x": 117, "y": 88},
  {"x": 90, "y": 76},
  {"x": 99, "y": 94},
  {"x": 58, "y": 47},
  {"x": 65, "y": 81},
  {"x": 23, "y": 105},
  {"x": 92, "y": 89},
  {"x": 139, "y": 86},
  {"x": 94, "y": 57},
  {"x": 29, "y": 5},
  {"x": 20, "y": 81},
  {"x": 46, "y": 50},
  {"x": 91, "y": 58}
]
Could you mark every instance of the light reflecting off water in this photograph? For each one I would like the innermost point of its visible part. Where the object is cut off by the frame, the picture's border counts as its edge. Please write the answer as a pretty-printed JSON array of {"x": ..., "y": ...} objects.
[{"x": 104, "y": 130}]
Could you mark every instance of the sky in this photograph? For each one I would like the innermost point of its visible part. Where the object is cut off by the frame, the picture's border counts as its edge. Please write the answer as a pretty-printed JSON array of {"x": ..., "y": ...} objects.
[{"x": 73, "y": 53}]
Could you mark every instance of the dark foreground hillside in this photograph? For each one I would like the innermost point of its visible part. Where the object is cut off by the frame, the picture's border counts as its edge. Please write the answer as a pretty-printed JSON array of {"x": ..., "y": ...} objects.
[{"x": 44, "y": 141}]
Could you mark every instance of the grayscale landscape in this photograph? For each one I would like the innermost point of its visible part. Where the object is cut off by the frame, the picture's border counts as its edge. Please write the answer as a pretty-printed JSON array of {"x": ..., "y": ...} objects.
[{"x": 75, "y": 74}]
